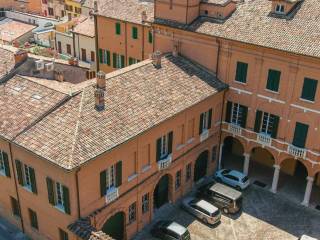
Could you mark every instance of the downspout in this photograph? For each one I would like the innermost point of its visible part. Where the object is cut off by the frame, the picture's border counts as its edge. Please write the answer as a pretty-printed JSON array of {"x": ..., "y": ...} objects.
[
  {"x": 187, "y": 12},
  {"x": 97, "y": 42},
  {"x": 142, "y": 43},
  {"x": 218, "y": 57},
  {"x": 16, "y": 186},
  {"x": 78, "y": 193},
  {"x": 125, "y": 44}
]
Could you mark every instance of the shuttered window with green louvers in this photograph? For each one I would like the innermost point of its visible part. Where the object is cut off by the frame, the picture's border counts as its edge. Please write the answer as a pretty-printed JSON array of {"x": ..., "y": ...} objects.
[
  {"x": 241, "y": 72},
  {"x": 4, "y": 164},
  {"x": 58, "y": 195},
  {"x": 205, "y": 121},
  {"x": 266, "y": 123},
  {"x": 309, "y": 89},
  {"x": 118, "y": 28},
  {"x": 273, "y": 80},
  {"x": 300, "y": 135},
  {"x": 164, "y": 146},
  {"x": 110, "y": 178},
  {"x": 26, "y": 176}
]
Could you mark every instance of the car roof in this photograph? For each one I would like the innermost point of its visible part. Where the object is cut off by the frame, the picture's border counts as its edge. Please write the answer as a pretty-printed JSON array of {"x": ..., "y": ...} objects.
[
  {"x": 176, "y": 228},
  {"x": 206, "y": 206},
  {"x": 225, "y": 190},
  {"x": 236, "y": 174},
  {"x": 305, "y": 237}
]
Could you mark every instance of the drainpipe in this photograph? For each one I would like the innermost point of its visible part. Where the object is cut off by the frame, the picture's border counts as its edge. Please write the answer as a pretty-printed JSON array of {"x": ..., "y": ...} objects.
[
  {"x": 125, "y": 44},
  {"x": 78, "y": 192},
  {"x": 16, "y": 186},
  {"x": 218, "y": 56},
  {"x": 142, "y": 43},
  {"x": 187, "y": 12},
  {"x": 97, "y": 43}
]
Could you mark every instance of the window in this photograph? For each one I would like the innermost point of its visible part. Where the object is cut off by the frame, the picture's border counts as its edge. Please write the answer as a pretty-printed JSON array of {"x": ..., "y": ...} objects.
[
  {"x": 191, "y": 128},
  {"x": 205, "y": 121},
  {"x": 236, "y": 114},
  {"x": 273, "y": 80},
  {"x": 164, "y": 146},
  {"x": 178, "y": 180},
  {"x": 111, "y": 178},
  {"x": 4, "y": 164},
  {"x": 280, "y": 8},
  {"x": 214, "y": 153},
  {"x": 50, "y": 11},
  {"x": 83, "y": 55},
  {"x": 92, "y": 56},
  {"x": 241, "y": 72},
  {"x": 15, "y": 207},
  {"x": 300, "y": 135},
  {"x": 188, "y": 172},
  {"x": 104, "y": 56},
  {"x": 33, "y": 219},
  {"x": 133, "y": 60},
  {"x": 59, "y": 47},
  {"x": 266, "y": 123},
  {"x": 150, "y": 37},
  {"x": 309, "y": 89},
  {"x": 118, "y": 61},
  {"x": 145, "y": 203},
  {"x": 134, "y": 32},
  {"x": 63, "y": 235},
  {"x": 69, "y": 49},
  {"x": 77, "y": 10},
  {"x": 44, "y": 1},
  {"x": 132, "y": 212},
  {"x": 118, "y": 28},
  {"x": 58, "y": 195},
  {"x": 26, "y": 176}
]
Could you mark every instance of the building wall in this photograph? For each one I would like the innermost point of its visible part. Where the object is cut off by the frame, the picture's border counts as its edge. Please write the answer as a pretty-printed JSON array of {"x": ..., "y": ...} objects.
[
  {"x": 30, "y": 18},
  {"x": 65, "y": 38},
  {"x": 87, "y": 43},
  {"x": 122, "y": 44},
  {"x": 74, "y": 5}
]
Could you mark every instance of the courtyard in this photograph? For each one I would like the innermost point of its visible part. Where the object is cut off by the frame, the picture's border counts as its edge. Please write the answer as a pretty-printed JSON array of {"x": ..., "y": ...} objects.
[{"x": 265, "y": 216}]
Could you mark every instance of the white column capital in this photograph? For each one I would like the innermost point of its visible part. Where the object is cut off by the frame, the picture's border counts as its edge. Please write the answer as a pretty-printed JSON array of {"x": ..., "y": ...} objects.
[
  {"x": 310, "y": 179},
  {"x": 246, "y": 155},
  {"x": 276, "y": 166}
]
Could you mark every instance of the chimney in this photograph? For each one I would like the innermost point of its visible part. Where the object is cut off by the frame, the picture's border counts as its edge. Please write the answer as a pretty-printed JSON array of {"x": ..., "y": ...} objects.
[
  {"x": 156, "y": 59},
  {"x": 20, "y": 56},
  {"x": 144, "y": 16},
  {"x": 95, "y": 6},
  {"x": 101, "y": 80},
  {"x": 99, "y": 96},
  {"x": 58, "y": 75},
  {"x": 175, "y": 51}
]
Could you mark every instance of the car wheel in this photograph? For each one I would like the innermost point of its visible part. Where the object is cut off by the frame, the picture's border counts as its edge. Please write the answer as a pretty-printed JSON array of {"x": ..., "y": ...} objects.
[
  {"x": 225, "y": 210},
  {"x": 238, "y": 188}
]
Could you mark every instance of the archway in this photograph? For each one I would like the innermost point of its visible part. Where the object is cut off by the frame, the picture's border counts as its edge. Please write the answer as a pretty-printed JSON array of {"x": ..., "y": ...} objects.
[
  {"x": 200, "y": 167},
  {"x": 261, "y": 166},
  {"x": 293, "y": 179},
  {"x": 115, "y": 226},
  {"x": 232, "y": 154},
  {"x": 161, "y": 192}
]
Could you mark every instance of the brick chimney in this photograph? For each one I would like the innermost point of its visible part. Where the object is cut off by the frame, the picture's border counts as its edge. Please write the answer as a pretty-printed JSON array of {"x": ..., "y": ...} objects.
[
  {"x": 144, "y": 16},
  {"x": 58, "y": 75},
  {"x": 101, "y": 80},
  {"x": 95, "y": 6},
  {"x": 20, "y": 56},
  {"x": 156, "y": 59},
  {"x": 99, "y": 91},
  {"x": 175, "y": 50}
]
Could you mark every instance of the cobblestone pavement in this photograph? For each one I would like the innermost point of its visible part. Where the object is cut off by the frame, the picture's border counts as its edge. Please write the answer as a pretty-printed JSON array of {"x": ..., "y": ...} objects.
[{"x": 265, "y": 216}]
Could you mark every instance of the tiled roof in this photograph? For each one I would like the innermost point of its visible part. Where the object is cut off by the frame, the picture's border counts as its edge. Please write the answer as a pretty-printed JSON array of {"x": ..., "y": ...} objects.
[
  {"x": 22, "y": 103},
  {"x": 126, "y": 10},
  {"x": 12, "y": 30},
  {"x": 252, "y": 23},
  {"x": 216, "y": 2},
  {"x": 7, "y": 62},
  {"x": 85, "y": 28},
  {"x": 137, "y": 98}
]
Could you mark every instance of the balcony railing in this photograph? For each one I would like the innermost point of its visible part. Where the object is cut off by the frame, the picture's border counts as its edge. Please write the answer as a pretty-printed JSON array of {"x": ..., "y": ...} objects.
[
  {"x": 204, "y": 135},
  {"x": 264, "y": 139},
  {"x": 165, "y": 163},
  {"x": 234, "y": 129},
  {"x": 297, "y": 152},
  {"x": 112, "y": 194}
]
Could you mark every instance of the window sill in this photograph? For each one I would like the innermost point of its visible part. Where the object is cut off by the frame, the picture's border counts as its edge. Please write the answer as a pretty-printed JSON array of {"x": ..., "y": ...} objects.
[
  {"x": 241, "y": 83},
  {"x": 180, "y": 146},
  {"x": 271, "y": 91},
  {"x": 27, "y": 188},
  {"x": 60, "y": 208},
  {"x": 146, "y": 168},
  {"x": 2, "y": 173},
  {"x": 306, "y": 100},
  {"x": 190, "y": 140},
  {"x": 133, "y": 176}
]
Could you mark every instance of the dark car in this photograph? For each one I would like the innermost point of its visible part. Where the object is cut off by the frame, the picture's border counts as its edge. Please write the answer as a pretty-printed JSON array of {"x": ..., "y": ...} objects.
[{"x": 169, "y": 230}]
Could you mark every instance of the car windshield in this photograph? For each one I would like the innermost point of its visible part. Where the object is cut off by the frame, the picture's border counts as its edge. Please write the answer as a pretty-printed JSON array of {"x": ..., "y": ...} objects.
[
  {"x": 245, "y": 179},
  {"x": 226, "y": 171}
]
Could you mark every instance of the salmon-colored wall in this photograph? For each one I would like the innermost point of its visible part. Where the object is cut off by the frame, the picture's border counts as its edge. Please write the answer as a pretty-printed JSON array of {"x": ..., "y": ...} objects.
[{"x": 217, "y": 11}]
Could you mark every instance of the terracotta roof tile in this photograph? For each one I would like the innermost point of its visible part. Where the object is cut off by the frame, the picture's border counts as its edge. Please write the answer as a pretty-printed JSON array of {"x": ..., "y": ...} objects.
[
  {"x": 85, "y": 28},
  {"x": 7, "y": 62},
  {"x": 12, "y": 30}
]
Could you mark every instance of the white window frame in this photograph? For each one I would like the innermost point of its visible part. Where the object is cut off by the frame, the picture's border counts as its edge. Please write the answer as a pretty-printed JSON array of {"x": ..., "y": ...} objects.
[
  {"x": 118, "y": 61},
  {"x": 267, "y": 124},
  {"x": 236, "y": 114},
  {"x": 110, "y": 177},
  {"x": 205, "y": 121},
  {"x": 26, "y": 176},
  {"x": 2, "y": 166},
  {"x": 59, "y": 196},
  {"x": 132, "y": 212},
  {"x": 279, "y": 8},
  {"x": 145, "y": 203},
  {"x": 164, "y": 150}
]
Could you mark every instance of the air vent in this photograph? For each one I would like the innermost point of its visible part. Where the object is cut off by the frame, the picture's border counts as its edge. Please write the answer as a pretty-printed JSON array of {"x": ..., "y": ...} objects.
[
  {"x": 36, "y": 96},
  {"x": 17, "y": 88}
]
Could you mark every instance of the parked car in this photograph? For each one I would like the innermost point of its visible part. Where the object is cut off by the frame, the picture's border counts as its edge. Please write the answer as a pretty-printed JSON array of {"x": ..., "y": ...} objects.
[
  {"x": 169, "y": 230},
  {"x": 202, "y": 209},
  {"x": 233, "y": 178},
  {"x": 226, "y": 198},
  {"x": 306, "y": 237}
]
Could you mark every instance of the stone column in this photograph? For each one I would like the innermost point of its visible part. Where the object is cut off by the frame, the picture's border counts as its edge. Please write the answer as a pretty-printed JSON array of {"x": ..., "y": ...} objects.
[
  {"x": 275, "y": 178},
  {"x": 308, "y": 191},
  {"x": 246, "y": 163},
  {"x": 220, "y": 156}
]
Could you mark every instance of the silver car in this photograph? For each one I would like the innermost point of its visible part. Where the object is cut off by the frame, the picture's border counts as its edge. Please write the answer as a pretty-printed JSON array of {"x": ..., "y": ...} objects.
[{"x": 202, "y": 209}]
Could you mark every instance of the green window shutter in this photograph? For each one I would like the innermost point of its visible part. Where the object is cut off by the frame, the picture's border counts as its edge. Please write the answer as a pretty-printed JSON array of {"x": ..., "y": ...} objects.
[
  {"x": 103, "y": 183},
  {"x": 33, "y": 219},
  {"x": 108, "y": 58},
  {"x": 105, "y": 56},
  {"x": 275, "y": 125},
  {"x": 100, "y": 55},
  {"x": 119, "y": 174},
  {"x": 150, "y": 37},
  {"x": 309, "y": 89},
  {"x": 210, "y": 118},
  {"x": 114, "y": 59},
  {"x": 50, "y": 191},
  {"x": 241, "y": 72},
  {"x": 19, "y": 172},
  {"x": 6, "y": 164},
  {"x": 134, "y": 33},
  {"x": 257, "y": 123},
  {"x": 15, "y": 207},
  {"x": 170, "y": 142},
  {"x": 273, "y": 80},
  {"x": 66, "y": 199},
  {"x": 244, "y": 116},
  {"x": 122, "y": 64},
  {"x": 130, "y": 61},
  {"x": 33, "y": 180},
  {"x": 118, "y": 28},
  {"x": 300, "y": 135},
  {"x": 200, "y": 123},
  {"x": 228, "y": 112},
  {"x": 158, "y": 149}
]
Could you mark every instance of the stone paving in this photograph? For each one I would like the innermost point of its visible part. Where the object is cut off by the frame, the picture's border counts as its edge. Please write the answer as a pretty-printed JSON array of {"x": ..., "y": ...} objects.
[{"x": 265, "y": 216}]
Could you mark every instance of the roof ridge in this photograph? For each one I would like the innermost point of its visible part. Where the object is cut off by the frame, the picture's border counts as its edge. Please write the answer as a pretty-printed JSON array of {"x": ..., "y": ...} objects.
[{"x": 76, "y": 130}]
